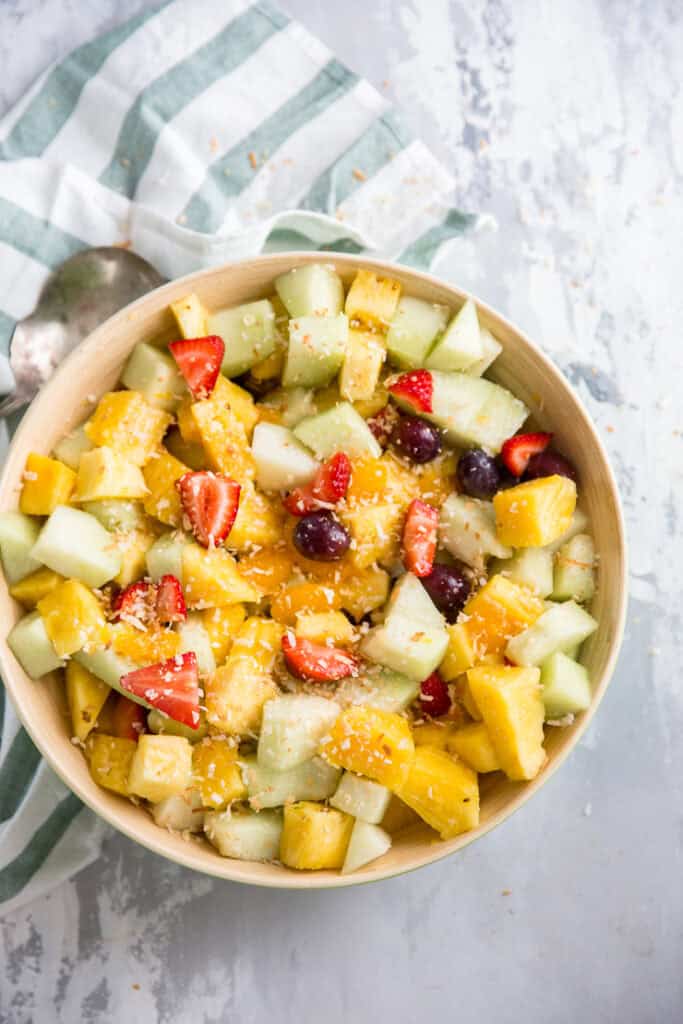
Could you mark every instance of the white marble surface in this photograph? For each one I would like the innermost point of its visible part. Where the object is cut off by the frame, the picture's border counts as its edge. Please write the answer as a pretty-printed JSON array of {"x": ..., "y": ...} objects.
[{"x": 565, "y": 122}]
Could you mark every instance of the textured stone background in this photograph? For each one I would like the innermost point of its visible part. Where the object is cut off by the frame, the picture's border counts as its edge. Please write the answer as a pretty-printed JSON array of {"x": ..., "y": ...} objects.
[{"x": 564, "y": 121}]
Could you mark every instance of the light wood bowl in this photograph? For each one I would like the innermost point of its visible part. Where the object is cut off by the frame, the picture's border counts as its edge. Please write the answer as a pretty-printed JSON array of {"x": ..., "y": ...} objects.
[{"x": 94, "y": 368}]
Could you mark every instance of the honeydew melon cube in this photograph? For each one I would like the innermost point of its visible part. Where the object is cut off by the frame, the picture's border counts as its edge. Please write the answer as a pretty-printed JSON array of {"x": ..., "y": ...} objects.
[
  {"x": 165, "y": 557},
  {"x": 574, "y": 577},
  {"x": 413, "y": 638},
  {"x": 155, "y": 375},
  {"x": 182, "y": 812},
  {"x": 367, "y": 843},
  {"x": 74, "y": 544},
  {"x": 292, "y": 728},
  {"x": 109, "y": 666},
  {"x": 413, "y": 330},
  {"x": 312, "y": 780},
  {"x": 385, "y": 689},
  {"x": 566, "y": 686},
  {"x": 340, "y": 428},
  {"x": 18, "y": 535},
  {"x": 194, "y": 637},
  {"x": 361, "y": 798},
  {"x": 558, "y": 629},
  {"x": 317, "y": 345},
  {"x": 293, "y": 404},
  {"x": 70, "y": 448},
  {"x": 313, "y": 290},
  {"x": 474, "y": 411},
  {"x": 460, "y": 345},
  {"x": 30, "y": 645},
  {"x": 248, "y": 332},
  {"x": 532, "y": 567},
  {"x": 467, "y": 529},
  {"x": 117, "y": 515},
  {"x": 281, "y": 460},
  {"x": 579, "y": 524},
  {"x": 245, "y": 835},
  {"x": 491, "y": 349},
  {"x": 159, "y": 723}
]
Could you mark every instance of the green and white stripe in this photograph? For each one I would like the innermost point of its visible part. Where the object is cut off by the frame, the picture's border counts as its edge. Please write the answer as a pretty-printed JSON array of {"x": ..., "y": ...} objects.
[{"x": 200, "y": 131}]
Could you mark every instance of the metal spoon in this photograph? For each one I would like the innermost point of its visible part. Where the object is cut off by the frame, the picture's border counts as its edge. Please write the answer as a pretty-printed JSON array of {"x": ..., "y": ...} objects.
[{"x": 77, "y": 297}]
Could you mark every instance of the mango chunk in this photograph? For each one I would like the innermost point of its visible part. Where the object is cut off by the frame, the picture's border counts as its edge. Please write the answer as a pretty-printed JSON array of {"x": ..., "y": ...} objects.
[
  {"x": 216, "y": 773},
  {"x": 104, "y": 473},
  {"x": 110, "y": 759},
  {"x": 46, "y": 484},
  {"x": 143, "y": 646},
  {"x": 535, "y": 513},
  {"x": 331, "y": 628},
  {"x": 211, "y": 578},
  {"x": 127, "y": 423},
  {"x": 443, "y": 791},
  {"x": 85, "y": 695},
  {"x": 496, "y": 613},
  {"x": 163, "y": 500},
  {"x": 73, "y": 618},
  {"x": 266, "y": 569},
  {"x": 371, "y": 742},
  {"x": 303, "y": 597},
  {"x": 314, "y": 837},
  {"x": 511, "y": 704}
]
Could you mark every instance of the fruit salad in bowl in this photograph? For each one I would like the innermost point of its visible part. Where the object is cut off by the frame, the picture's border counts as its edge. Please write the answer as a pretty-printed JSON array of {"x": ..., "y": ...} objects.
[{"x": 310, "y": 575}]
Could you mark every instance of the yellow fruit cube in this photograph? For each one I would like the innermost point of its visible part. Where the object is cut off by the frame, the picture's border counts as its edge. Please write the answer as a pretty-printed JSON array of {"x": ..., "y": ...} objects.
[
  {"x": 473, "y": 744},
  {"x": 433, "y": 734},
  {"x": 163, "y": 500},
  {"x": 372, "y": 300},
  {"x": 460, "y": 653},
  {"x": 259, "y": 641},
  {"x": 271, "y": 367},
  {"x": 375, "y": 533},
  {"x": 235, "y": 696},
  {"x": 186, "y": 422},
  {"x": 511, "y": 704},
  {"x": 126, "y": 422},
  {"x": 367, "y": 407},
  {"x": 496, "y": 613},
  {"x": 224, "y": 439},
  {"x": 363, "y": 359},
  {"x": 364, "y": 591},
  {"x": 216, "y": 773},
  {"x": 464, "y": 695},
  {"x": 436, "y": 480},
  {"x": 314, "y": 837},
  {"x": 190, "y": 453},
  {"x": 303, "y": 597},
  {"x": 85, "y": 695},
  {"x": 371, "y": 742},
  {"x": 132, "y": 545},
  {"x": 161, "y": 767},
  {"x": 211, "y": 579},
  {"x": 33, "y": 588},
  {"x": 258, "y": 522},
  {"x": 266, "y": 569},
  {"x": 46, "y": 484},
  {"x": 238, "y": 400},
  {"x": 222, "y": 625},
  {"x": 104, "y": 473},
  {"x": 190, "y": 316},
  {"x": 535, "y": 513},
  {"x": 331, "y": 628},
  {"x": 143, "y": 646},
  {"x": 110, "y": 759},
  {"x": 73, "y": 618},
  {"x": 443, "y": 791},
  {"x": 377, "y": 481}
]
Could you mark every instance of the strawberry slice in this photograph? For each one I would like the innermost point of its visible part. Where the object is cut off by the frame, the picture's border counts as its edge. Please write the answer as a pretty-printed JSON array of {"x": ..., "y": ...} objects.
[
  {"x": 210, "y": 502},
  {"x": 199, "y": 360},
  {"x": 328, "y": 486},
  {"x": 434, "y": 696},
  {"x": 136, "y": 603},
  {"x": 170, "y": 606},
  {"x": 415, "y": 388},
  {"x": 419, "y": 537},
  {"x": 172, "y": 686},
  {"x": 315, "y": 662},
  {"x": 517, "y": 450},
  {"x": 129, "y": 719}
]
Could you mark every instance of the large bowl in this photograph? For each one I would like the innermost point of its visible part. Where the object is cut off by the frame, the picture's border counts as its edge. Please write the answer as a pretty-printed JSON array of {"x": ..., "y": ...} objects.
[{"x": 95, "y": 366}]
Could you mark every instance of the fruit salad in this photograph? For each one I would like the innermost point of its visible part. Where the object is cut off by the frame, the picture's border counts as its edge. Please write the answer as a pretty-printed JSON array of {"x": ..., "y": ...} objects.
[{"x": 307, "y": 573}]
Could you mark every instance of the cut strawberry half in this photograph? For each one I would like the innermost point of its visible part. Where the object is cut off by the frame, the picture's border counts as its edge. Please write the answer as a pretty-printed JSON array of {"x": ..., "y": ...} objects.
[
  {"x": 210, "y": 502},
  {"x": 199, "y": 360},
  {"x": 136, "y": 603},
  {"x": 416, "y": 389},
  {"x": 129, "y": 719},
  {"x": 383, "y": 423},
  {"x": 517, "y": 450},
  {"x": 419, "y": 537},
  {"x": 328, "y": 486},
  {"x": 315, "y": 662},
  {"x": 172, "y": 686},
  {"x": 170, "y": 606},
  {"x": 434, "y": 696}
]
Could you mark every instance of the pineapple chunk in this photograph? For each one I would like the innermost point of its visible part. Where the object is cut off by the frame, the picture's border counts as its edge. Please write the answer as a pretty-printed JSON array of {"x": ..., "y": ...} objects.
[
  {"x": 33, "y": 588},
  {"x": 398, "y": 816},
  {"x": 73, "y": 618},
  {"x": 496, "y": 613},
  {"x": 217, "y": 774},
  {"x": 473, "y": 744},
  {"x": 376, "y": 481},
  {"x": 124, "y": 421},
  {"x": 371, "y": 742},
  {"x": 105, "y": 473},
  {"x": 239, "y": 401},
  {"x": 365, "y": 354},
  {"x": 535, "y": 513},
  {"x": 364, "y": 591},
  {"x": 163, "y": 500},
  {"x": 258, "y": 522},
  {"x": 133, "y": 546},
  {"x": 190, "y": 316},
  {"x": 372, "y": 300},
  {"x": 266, "y": 569},
  {"x": 321, "y": 627},
  {"x": 85, "y": 695},
  {"x": 190, "y": 453},
  {"x": 47, "y": 483},
  {"x": 186, "y": 423},
  {"x": 222, "y": 624},
  {"x": 161, "y": 767},
  {"x": 460, "y": 653},
  {"x": 434, "y": 734},
  {"x": 223, "y": 438},
  {"x": 144, "y": 647},
  {"x": 314, "y": 837},
  {"x": 511, "y": 703},
  {"x": 375, "y": 532},
  {"x": 211, "y": 578},
  {"x": 258, "y": 640},
  {"x": 443, "y": 791},
  {"x": 464, "y": 695},
  {"x": 303, "y": 597},
  {"x": 236, "y": 692},
  {"x": 110, "y": 759}
]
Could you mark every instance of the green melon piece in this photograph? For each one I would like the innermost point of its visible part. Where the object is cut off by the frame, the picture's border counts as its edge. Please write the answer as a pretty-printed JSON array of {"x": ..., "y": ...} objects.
[
  {"x": 340, "y": 428},
  {"x": 313, "y": 290},
  {"x": 165, "y": 557},
  {"x": 292, "y": 728},
  {"x": 245, "y": 835},
  {"x": 361, "y": 798},
  {"x": 414, "y": 329},
  {"x": 413, "y": 639},
  {"x": 491, "y": 349},
  {"x": 182, "y": 812},
  {"x": 467, "y": 528},
  {"x": 18, "y": 534},
  {"x": 116, "y": 515},
  {"x": 459, "y": 347},
  {"x": 566, "y": 686},
  {"x": 293, "y": 404},
  {"x": 70, "y": 448},
  {"x": 367, "y": 843},
  {"x": 248, "y": 332},
  {"x": 384, "y": 689},
  {"x": 574, "y": 577},
  {"x": 312, "y": 780},
  {"x": 193, "y": 637},
  {"x": 578, "y": 524},
  {"x": 74, "y": 544},
  {"x": 316, "y": 349},
  {"x": 281, "y": 460},
  {"x": 31, "y": 646},
  {"x": 558, "y": 629},
  {"x": 532, "y": 567},
  {"x": 161, "y": 724},
  {"x": 155, "y": 375},
  {"x": 109, "y": 666}
]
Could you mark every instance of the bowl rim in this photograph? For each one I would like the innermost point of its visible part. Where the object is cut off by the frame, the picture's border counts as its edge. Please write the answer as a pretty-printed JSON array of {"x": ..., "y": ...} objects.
[{"x": 434, "y": 851}]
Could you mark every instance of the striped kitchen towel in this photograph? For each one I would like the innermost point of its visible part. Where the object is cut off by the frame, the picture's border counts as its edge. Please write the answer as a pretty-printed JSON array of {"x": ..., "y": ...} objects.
[{"x": 200, "y": 131}]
